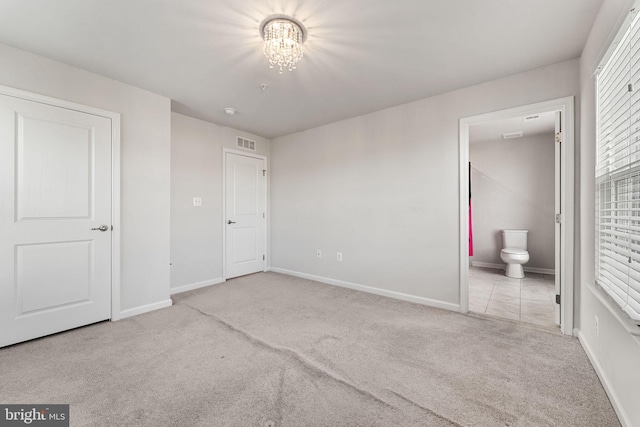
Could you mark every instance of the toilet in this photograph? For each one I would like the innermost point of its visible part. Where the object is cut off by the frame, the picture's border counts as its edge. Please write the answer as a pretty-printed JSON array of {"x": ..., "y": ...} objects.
[{"x": 514, "y": 252}]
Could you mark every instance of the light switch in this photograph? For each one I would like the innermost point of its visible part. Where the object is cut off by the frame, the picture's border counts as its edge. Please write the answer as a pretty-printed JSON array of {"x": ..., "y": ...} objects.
[{"x": 197, "y": 201}]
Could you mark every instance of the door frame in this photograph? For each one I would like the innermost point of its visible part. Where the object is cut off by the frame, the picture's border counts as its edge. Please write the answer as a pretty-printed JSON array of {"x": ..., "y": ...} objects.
[
  {"x": 115, "y": 177},
  {"x": 265, "y": 262},
  {"x": 567, "y": 192}
]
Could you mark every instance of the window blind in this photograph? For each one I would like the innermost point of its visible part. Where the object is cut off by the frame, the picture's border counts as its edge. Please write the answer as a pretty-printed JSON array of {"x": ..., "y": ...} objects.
[{"x": 618, "y": 171}]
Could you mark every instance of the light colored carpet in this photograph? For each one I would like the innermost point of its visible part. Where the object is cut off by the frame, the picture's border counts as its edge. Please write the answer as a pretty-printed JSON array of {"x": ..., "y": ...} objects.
[{"x": 273, "y": 350}]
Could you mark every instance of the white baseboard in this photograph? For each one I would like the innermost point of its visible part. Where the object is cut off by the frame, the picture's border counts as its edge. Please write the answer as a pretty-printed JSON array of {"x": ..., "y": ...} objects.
[
  {"x": 622, "y": 415},
  {"x": 548, "y": 271},
  {"x": 145, "y": 308},
  {"x": 197, "y": 285},
  {"x": 371, "y": 290}
]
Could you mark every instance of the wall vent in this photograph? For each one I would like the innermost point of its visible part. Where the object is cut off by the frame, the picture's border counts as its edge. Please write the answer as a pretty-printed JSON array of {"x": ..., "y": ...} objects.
[
  {"x": 512, "y": 135},
  {"x": 245, "y": 143}
]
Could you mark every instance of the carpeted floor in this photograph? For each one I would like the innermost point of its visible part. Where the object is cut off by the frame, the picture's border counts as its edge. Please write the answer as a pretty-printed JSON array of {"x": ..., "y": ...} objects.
[{"x": 273, "y": 350}]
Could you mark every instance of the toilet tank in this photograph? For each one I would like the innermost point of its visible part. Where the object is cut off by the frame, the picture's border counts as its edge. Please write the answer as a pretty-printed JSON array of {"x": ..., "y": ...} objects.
[{"x": 516, "y": 239}]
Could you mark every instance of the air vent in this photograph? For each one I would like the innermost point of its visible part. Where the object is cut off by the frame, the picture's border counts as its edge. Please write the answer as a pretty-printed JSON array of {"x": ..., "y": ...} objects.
[
  {"x": 512, "y": 135},
  {"x": 245, "y": 143},
  {"x": 530, "y": 118}
]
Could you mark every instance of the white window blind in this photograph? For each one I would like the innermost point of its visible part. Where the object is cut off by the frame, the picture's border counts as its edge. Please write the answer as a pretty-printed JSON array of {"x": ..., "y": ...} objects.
[{"x": 618, "y": 171}]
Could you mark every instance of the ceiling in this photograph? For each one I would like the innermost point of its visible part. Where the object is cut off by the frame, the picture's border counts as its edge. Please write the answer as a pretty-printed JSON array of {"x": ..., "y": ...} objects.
[
  {"x": 493, "y": 130},
  {"x": 360, "y": 55}
]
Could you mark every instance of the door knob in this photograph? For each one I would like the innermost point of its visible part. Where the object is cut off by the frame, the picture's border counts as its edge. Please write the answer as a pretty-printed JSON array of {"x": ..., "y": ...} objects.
[
  {"x": 103, "y": 228},
  {"x": 231, "y": 222}
]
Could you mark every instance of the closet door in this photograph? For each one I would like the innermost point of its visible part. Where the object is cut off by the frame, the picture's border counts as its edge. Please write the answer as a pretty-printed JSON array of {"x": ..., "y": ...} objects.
[{"x": 55, "y": 219}]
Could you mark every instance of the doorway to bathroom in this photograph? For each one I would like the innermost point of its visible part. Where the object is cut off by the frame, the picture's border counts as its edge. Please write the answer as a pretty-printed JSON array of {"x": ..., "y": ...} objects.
[{"x": 516, "y": 172}]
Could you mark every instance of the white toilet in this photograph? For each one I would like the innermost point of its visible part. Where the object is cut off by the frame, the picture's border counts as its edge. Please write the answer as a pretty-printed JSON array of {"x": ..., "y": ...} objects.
[{"x": 514, "y": 252}]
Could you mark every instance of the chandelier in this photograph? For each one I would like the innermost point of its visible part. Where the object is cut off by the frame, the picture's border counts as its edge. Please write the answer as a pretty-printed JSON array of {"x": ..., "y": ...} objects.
[{"x": 283, "y": 37}]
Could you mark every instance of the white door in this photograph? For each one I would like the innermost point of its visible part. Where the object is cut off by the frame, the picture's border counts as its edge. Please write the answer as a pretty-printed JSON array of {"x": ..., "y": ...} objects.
[
  {"x": 55, "y": 190},
  {"x": 245, "y": 219},
  {"x": 558, "y": 231}
]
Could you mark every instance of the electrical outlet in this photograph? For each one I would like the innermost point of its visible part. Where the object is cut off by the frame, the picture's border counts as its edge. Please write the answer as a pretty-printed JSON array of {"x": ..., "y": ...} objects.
[
  {"x": 339, "y": 256},
  {"x": 319, "y": 253},
  {"x": 197, "y": 201},
  {"x": 597, "y": 324}
]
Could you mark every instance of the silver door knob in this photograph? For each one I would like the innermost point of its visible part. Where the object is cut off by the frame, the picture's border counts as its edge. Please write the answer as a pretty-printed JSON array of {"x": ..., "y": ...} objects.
[{"x": 103, "y": 227}]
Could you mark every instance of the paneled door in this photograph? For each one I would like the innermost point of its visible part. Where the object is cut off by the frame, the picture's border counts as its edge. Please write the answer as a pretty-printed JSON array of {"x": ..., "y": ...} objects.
[
  {"x": 55, "y": 219},
  {"x": 245, "y": 219}
]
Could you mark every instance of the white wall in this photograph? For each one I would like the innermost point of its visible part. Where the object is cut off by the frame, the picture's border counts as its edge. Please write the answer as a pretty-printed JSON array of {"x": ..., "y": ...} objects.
[
  {"x": 513, "y": 187},
  {"x": 145, "y": 145},
  {"x": 615, "y": 353},
  {"x": 196, "y": 171},
  {"x": 383, "y": 188}
]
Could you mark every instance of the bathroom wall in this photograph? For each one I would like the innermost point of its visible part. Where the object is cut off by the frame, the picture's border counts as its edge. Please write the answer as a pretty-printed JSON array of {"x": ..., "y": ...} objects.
[{"x": 512, "y": 185}]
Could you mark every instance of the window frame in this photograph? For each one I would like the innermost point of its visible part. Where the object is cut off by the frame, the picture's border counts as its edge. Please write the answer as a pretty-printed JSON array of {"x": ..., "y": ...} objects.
[{"x": 616, "y": 171}]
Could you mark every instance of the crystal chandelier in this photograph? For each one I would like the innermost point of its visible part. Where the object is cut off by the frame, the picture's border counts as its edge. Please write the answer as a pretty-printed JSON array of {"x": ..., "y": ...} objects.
[{"x": 283, "y": 37}]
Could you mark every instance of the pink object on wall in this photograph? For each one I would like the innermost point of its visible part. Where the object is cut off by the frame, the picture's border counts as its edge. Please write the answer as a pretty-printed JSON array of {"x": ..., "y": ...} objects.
[{"x": 470, "y": 216}]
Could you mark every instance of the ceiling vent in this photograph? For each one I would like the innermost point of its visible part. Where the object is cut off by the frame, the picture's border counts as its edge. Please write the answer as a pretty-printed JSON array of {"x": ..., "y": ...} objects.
[
  {"x": 512, "y": 135},
  {"x": 245, "y": 143},
  {"x": 530, "y": 118}
]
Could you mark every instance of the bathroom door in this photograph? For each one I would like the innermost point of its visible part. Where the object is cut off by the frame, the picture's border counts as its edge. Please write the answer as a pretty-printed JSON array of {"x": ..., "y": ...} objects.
[{"x": 558, "y": 223}]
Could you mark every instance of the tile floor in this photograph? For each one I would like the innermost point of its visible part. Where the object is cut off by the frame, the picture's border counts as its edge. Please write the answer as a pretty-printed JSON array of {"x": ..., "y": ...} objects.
[{"x": 531, "y": 299}]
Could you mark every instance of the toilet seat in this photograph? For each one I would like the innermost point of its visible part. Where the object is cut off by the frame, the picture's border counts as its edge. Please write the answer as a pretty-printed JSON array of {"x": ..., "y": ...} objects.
[
  {"x": 514, "y": 251},
  {"x": 514, "y": 258}
]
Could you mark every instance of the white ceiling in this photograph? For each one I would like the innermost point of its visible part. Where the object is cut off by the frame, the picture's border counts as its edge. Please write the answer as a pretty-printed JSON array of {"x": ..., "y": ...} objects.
[
  {"x": 493, "y": 131},
  {"x": 360, "y": 55}
]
